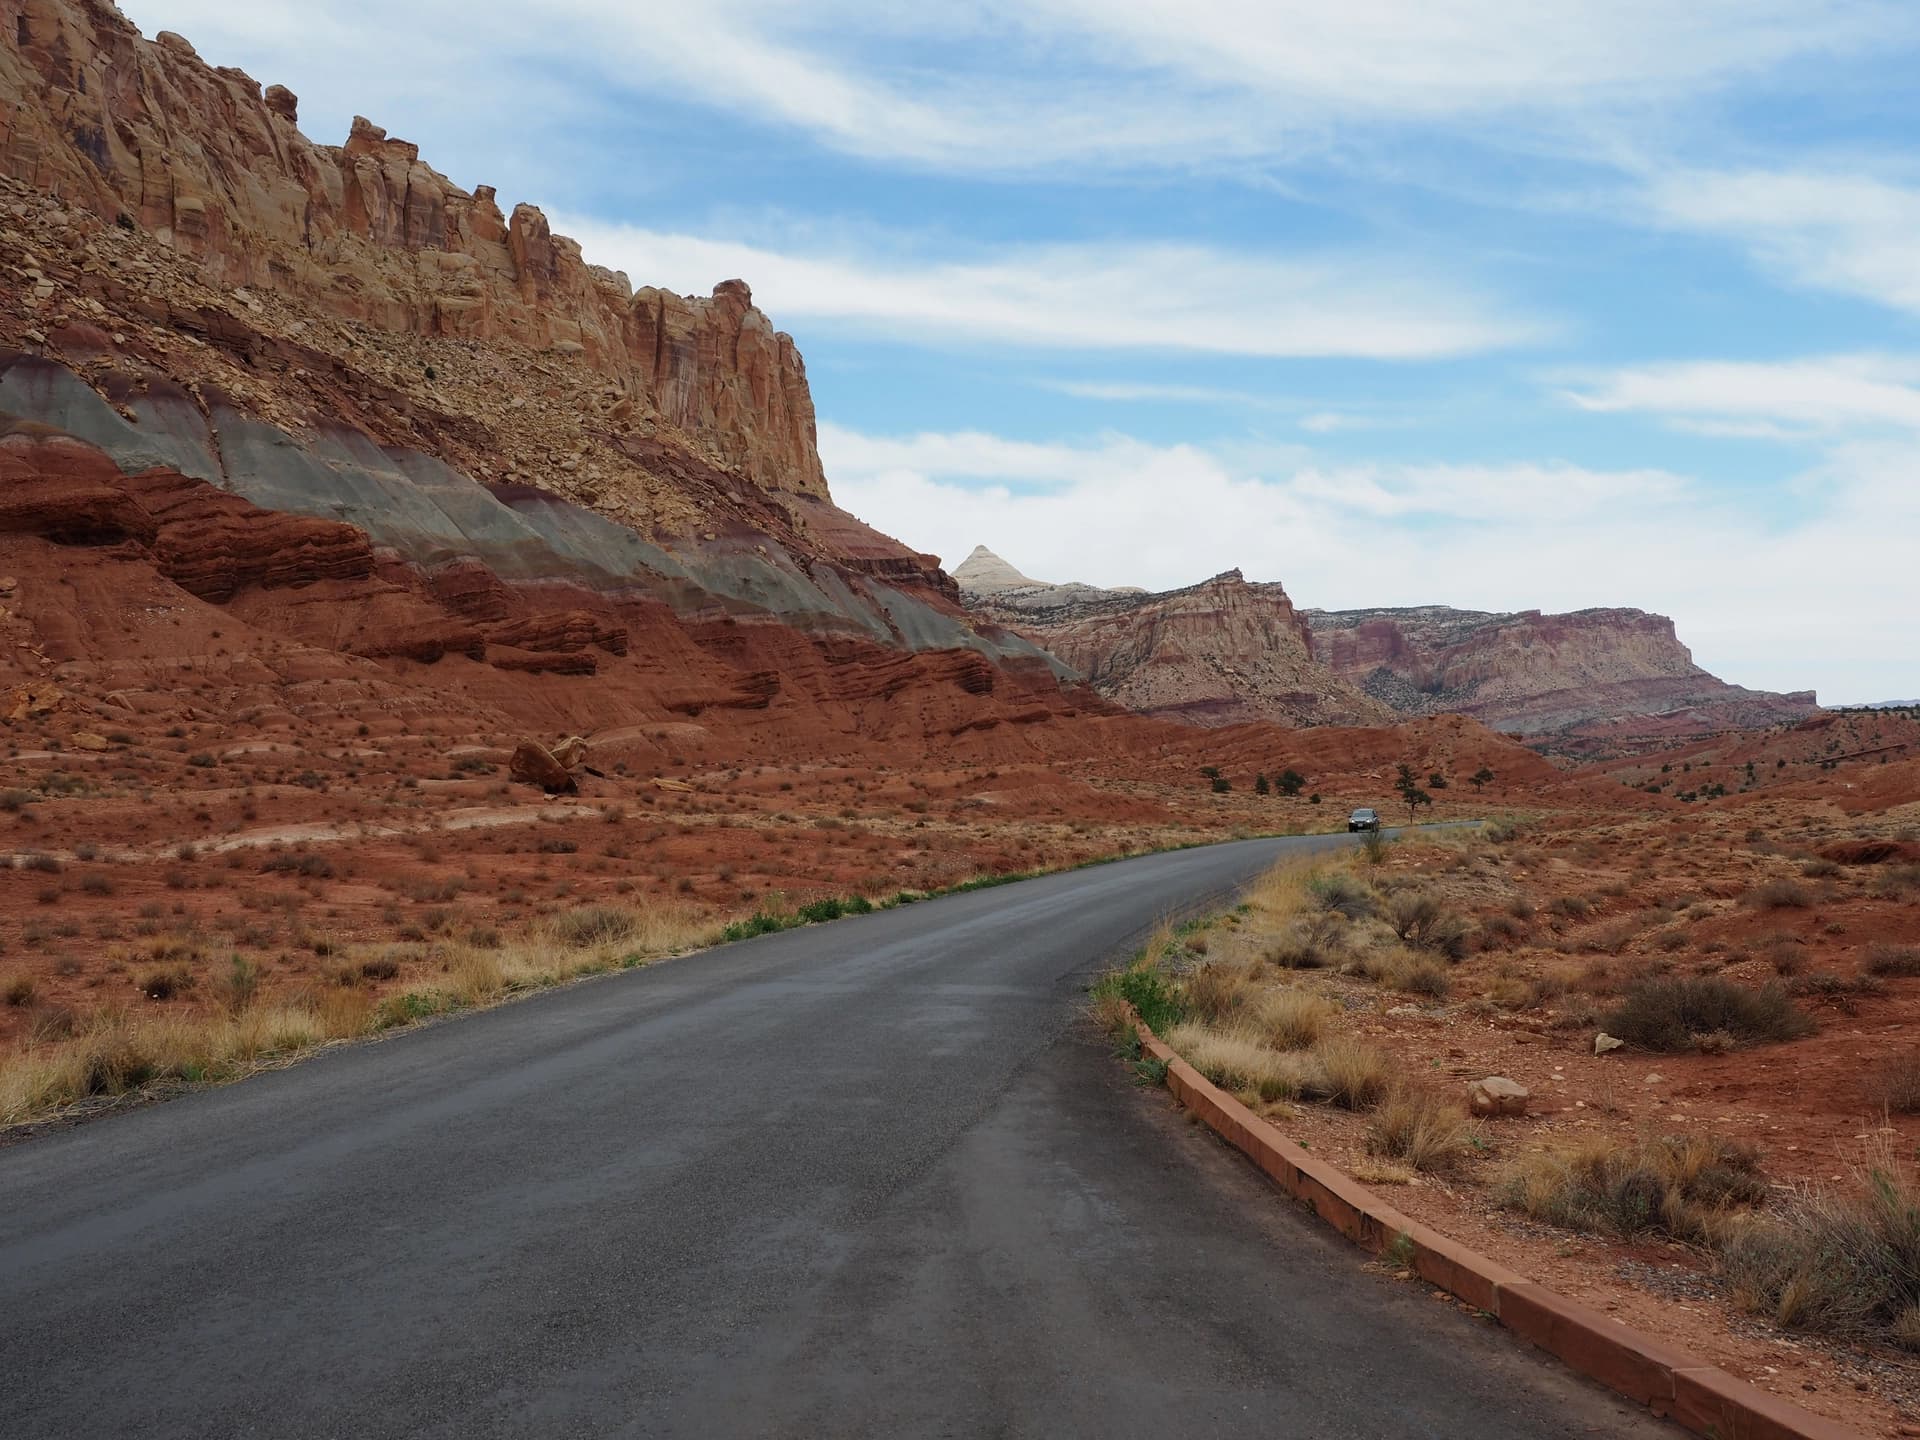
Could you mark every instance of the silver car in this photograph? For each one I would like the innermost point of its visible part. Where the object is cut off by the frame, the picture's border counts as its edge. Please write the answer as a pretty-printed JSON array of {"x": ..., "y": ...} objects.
[{"x": 1363, "y": 819}]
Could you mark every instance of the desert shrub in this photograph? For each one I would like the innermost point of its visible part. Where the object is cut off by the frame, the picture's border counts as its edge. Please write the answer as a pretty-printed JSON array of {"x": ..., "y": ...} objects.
[
  {"x": 1214, "y": 992},
  {"x": 1353, "y": 1075},
  {"x": 305, "y": 863},
  {"x": 1343, "y": 894},
  {"x": 1239, "y": 1062},
  {"x": 14, "y": 801},
  {"x": 1373, "y": 845},
  {"x": 1308, "y": 943},
  {"x": 1683, "y": 1186},
  {"x": 1154, "y": 998},
  {"x": 379, "y": 967},
  {"x": 1898, "y": 882},
  {"x": 41, "y": 861},
  {"x": 1421, "y": 920},
  {"x": 1409, "y": 974},
  {"x": 47, "y": 1023},
  {"x": 1505, "y": 930},
  {"x": 1779, "y": 894},
  {"x": 1570, "y": 907},
  {"x": 1667, "y": 1012},
  {"x": 1841, "y": 1260},
  {"x": 586, "y": 925},
  {"x": 1893, "y": 960},
  {"x": 237, "y": 988},
  {"x": 166, "y": 981},
  {"x": 1290, "y": 1019},
  {"x": 1897, "y": 1088},
  {"x": 19, "y": 991},
  {"x": 1426, "y": 1130}
]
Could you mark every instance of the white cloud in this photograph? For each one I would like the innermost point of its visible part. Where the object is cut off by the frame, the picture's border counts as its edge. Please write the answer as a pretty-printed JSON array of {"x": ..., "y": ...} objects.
[
  {"x": 1021, "y": 85},
  {"x": 1088, "y": 297},
  {"x": 1848, "y": 233},
  {"x": 1766, "y": 399},
  {"x": 1825, "y": 604},
  {"x": 1128, "y": 391}
]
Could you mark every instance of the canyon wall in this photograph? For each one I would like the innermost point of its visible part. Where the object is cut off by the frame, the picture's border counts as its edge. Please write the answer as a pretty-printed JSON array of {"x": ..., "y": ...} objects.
[
  {"x": 1530, "y": 673},
  {"x": 1219, "y": 653}
]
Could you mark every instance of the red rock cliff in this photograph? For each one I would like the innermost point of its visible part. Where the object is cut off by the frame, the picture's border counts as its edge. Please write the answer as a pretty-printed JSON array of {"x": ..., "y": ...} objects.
[{"x": 216, "y": 167}]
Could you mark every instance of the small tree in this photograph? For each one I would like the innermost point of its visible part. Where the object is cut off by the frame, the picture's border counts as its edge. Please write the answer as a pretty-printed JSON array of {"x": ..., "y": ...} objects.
[
  {"x": 1260, "y": 786},
  {"x": 1480, "y": 777},
  {"x": 1212, "y": 772},
  {"x": 1292, "y": 782},
  {"x": 1221, "y": 785},
  {"x": 1410, "y": 791},
  {"x": 1436, "y": 781}
]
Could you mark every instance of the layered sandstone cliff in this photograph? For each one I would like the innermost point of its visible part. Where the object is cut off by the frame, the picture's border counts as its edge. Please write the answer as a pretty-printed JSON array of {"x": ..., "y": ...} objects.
[
  {"x": 340, "y": 332},
  {"x": 215, "y": 168},
  {"x": 1228, "y": 650},
  {"x": 1530, "y": 673},
  {"x": 1217, "y": 653}
]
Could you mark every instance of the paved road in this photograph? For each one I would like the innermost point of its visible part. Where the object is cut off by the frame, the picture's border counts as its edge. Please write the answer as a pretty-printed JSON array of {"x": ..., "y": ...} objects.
[{"x": 869, "y": 1179}]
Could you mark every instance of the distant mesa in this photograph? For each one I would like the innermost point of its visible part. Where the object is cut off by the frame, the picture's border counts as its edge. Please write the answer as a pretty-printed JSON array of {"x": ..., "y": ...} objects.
[{"x": 1229, "y": 650}]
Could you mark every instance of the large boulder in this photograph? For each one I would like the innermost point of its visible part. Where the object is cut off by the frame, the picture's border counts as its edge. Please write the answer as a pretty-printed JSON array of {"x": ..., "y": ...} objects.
[
  {"x": 534, "y": 764},
  {"x": 1497, "y": 1095}
]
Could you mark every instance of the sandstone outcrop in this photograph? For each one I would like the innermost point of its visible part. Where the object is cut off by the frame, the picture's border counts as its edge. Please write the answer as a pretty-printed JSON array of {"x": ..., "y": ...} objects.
[
  {"x": 1217, "y": 653},
  {"x": 1497, "y": 1095},
  {"x": 1534, "y": 674},
  {"x": 1229, "y": 650},
  {"x": 534, "y": 764},
  {"x": 217, "y": 170}
]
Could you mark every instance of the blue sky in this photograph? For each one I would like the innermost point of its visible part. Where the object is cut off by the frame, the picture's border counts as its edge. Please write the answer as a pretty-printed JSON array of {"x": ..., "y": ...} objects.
[{"x": 1396, "y": 301}]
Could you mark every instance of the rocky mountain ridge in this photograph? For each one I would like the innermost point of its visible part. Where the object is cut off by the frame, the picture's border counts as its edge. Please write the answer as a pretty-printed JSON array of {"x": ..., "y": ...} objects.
[
  {"x": 1584, "y": 672},
  {"x": 1230, "y": 650},
  {"x": 1218, "y": 653}
]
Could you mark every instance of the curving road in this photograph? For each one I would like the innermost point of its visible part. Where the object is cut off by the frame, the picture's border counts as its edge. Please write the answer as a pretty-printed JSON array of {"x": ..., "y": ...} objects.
[{"x": 875, "y": 1178}]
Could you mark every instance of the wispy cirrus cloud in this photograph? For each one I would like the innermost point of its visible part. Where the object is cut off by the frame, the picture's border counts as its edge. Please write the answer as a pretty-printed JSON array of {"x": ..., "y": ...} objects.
[
  {"x": 1158, "y": 297},
  {"x": 1785, "y": 399},
  {"x": 1019, "y": 86},
  {"x": 1849, "y": 233}
]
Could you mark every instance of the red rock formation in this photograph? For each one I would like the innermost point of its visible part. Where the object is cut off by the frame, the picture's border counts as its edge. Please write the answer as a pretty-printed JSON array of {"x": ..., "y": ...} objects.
[
  {"x": 1529, "y": 673},
  {"x": 1218, "y": 653},
  {"x": 217, "y": 169}
]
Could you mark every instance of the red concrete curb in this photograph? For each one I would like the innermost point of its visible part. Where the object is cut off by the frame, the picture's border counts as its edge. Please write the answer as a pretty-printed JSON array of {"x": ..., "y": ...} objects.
[{"x": 1674, "y": 1384}]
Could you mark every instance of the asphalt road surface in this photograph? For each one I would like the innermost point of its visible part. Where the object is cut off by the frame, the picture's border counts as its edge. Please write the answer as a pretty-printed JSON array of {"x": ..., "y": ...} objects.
[{"x": 875, "y": 1178}]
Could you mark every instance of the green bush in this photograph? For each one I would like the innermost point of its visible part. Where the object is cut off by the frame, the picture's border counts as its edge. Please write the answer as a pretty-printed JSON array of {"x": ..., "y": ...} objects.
[
  {"x": 1154, "y": 998},
  {"x": 1668, "y": 1012}
]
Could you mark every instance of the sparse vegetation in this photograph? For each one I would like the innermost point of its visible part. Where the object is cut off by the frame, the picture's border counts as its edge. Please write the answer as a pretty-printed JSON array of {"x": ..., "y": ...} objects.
[
  {"x": 1683, "y": 1186},
  {"x": 1839, "y": 1260},
  {"x": 1670, "y": 1012},
  {"x": 1421, "y": 1128}
]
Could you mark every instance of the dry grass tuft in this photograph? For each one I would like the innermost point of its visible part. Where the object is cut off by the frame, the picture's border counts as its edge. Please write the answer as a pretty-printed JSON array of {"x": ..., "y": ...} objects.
[
  {"x": 1218, "y": 991},
  {"x": 1291, "y": 1019},
  {"x": 1353, "y": 1075},
  {"x": 1240, "y": 1063},
  {"x": 1837, "y": 1260},
  {"x": 1683, "y": 1186},
  {"x": 1425, "y": 1130}
]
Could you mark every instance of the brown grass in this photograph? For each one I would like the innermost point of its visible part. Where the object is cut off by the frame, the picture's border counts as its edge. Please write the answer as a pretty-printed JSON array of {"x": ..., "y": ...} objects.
[
  {"x": 1291, "y": 1018},
  {"x": 1353, "y": 1075},
  {"x": 1424, "y": 1129},
  {"x": 1840, "y": 1259},
  {"x": 1240, "y": 1063},
  {"x": 1683, "y": 1186},
  {"x": 116, "y": 1051}
]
